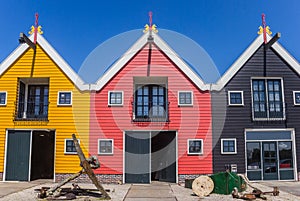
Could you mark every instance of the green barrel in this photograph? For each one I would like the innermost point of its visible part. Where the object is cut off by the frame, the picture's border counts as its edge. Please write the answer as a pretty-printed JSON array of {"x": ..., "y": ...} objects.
[{"x": 225, "y": 182}]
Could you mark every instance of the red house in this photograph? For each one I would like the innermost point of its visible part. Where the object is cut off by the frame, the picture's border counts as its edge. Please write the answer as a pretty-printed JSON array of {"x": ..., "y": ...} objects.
[{"x": 151, "y": 117}]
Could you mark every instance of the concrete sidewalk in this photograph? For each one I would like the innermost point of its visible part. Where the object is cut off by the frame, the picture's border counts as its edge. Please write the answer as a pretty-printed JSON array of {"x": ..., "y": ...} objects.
[
  {"x": 7, "y": 188},
  {"x": 132, "y": 192}
]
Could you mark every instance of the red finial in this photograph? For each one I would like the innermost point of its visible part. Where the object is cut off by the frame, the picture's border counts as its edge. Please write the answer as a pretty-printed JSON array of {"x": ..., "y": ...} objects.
[
  {"x": 264, "y": 27},
  {"x": 150, "y": 20},
  {"x": 36, "y": 27}
]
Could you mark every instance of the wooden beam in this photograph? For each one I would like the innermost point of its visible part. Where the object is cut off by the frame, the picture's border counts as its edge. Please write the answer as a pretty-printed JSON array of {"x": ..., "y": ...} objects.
[
  {"x": 272, "y": 41},
  {"x": 24, "y": 39},
  {"x": 87, "y": 168}
]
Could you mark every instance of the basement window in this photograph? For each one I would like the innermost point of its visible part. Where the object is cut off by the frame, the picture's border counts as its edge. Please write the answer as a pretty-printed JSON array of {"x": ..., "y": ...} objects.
[
  {"x": 105, "y": 146},
  {"x": 3, "y": 97},
  {"x": 70, "y": 146},
  {"x": 195, "y": 146}
]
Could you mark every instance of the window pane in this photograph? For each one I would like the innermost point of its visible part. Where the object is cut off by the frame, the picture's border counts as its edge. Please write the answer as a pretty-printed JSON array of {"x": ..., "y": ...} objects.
[
  {"x": 70, "y": 146},
  {"x": 255, "y": 85},
  {"x": 64, "y": 97},
  {"x": 235, "y": 97},
  {"x": 285, "y": 155},
  {"x": 185, "y": 97},
  {"x": 228, "y": 146},
  {"x": 195, "y": 146},
  {"x": 105, "y": 146},
  {"x": 115, "y": 98},
  {"x": 2, "y": 97},
  {"x": 253, "y": 156},
  {"x": 148, "y": 101}
]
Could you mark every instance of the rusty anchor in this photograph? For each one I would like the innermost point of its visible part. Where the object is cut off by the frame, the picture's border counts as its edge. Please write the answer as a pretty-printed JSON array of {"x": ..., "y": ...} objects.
[{"x": 87, "y": 164}]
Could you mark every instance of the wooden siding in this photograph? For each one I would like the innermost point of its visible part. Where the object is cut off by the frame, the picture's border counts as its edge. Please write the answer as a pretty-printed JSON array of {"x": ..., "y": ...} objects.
[
  {"x": 231, "y": 121},
  {"x": 189, "y": 122},
  {"x": 65, "y": 120}
]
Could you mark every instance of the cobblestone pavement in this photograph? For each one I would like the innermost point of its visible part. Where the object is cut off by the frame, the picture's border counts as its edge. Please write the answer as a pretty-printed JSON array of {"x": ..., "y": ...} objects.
[{"x": 123, "y": 192}]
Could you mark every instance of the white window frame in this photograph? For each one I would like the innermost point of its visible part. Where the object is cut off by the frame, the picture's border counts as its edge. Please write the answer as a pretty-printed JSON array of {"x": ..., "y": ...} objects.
[
  {"x": 5, "y": 98},
  {"x": 188, "y": 147},
  {"x": 267, "y": 98},
  {"x": 294, "y": 97},
  {"x": 112, "y": 146},
  {"x": 116, "y": 104},
  {"x": 65, "y": 146},
  {"x": 192, "y": 97},
  {"x": 63, "y": 104},
  {"x": 228, "y": 139},
  {"x": 242, "y": 97}
]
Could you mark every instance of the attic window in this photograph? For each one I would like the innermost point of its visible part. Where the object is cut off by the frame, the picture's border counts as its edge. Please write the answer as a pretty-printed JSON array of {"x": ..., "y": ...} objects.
[
  {"x": 296, "y": 97},
  {"x": 64, "y": 98},
  {"x": 185, "y": 98},
  {"x": 235, "y": 98},
  {"x": 115, "y": 98}
]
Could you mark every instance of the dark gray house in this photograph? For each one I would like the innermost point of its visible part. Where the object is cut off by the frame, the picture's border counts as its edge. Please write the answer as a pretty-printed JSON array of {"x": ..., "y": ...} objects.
[{"x": 256, "y": 114}]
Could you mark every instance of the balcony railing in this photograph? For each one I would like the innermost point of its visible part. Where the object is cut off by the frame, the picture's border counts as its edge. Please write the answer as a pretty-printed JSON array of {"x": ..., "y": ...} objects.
[{"x": 31, "y": 111}]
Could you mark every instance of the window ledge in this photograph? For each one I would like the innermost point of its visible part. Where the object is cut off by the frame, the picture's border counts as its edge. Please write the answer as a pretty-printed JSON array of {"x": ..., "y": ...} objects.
[{"x": 150, "y": 120}]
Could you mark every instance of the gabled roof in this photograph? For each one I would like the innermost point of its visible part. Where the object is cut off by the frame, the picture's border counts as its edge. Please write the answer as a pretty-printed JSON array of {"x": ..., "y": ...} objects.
[
  {"x": 60, "y": 62},
  {"x": 239, "y": 63},
  {"x": 131, "y": 52}
]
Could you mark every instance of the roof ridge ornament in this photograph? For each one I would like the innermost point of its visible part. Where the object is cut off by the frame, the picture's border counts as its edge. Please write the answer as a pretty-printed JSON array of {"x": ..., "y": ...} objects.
[
  {"x": 264, "y": 29},
  {"x": 36, "y": 28},
  {"x": 150, "y": 27}
]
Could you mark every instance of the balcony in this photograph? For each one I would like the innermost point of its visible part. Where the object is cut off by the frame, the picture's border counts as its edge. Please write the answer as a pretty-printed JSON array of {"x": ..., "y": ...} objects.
[{"x": 31, "y": 111}]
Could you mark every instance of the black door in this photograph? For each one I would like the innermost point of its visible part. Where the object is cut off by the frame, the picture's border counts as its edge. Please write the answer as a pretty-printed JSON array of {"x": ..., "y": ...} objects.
[
  {"x": 17, "y": 156},
  {"x": 137, "y": 157},
  {"x": 42, "y": 159},
  {"x": 270, "y": 161},
  {"x": 163, "y": 156}
]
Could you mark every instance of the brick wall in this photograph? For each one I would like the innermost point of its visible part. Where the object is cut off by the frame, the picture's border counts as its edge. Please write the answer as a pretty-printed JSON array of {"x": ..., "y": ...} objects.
[{"x": 103, "y": 179}]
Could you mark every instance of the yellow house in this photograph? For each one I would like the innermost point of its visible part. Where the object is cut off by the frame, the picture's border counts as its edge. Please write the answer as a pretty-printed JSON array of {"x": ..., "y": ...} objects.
[{"x": 42, "y": 103}]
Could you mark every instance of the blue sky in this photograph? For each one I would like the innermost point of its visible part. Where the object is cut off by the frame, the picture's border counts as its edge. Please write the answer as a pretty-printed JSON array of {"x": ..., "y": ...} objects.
[{"x": 224, "y": 28}]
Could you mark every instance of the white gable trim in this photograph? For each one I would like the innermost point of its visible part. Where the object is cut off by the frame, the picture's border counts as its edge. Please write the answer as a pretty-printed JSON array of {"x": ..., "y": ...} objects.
[
  {"x": 238, "y": 64},
  {"x": 61, "y": 63},
  {"x": 132, "y": 52}
]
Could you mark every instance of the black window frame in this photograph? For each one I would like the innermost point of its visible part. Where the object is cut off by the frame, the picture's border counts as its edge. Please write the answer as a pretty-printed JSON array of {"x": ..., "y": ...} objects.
[
  {"x": 35, "y": 104},
  {"x": 110, "y": 93},
  {"x": 69, "y": 144},
  {"x": 147, "y": 100},
  {"x": 193, "y": 146}
]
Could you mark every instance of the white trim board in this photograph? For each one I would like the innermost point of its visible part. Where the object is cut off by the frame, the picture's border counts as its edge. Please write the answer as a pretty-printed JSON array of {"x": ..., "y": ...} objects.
[
  {"x": 131, "y": 52},
  {"x": 239, "y": 63},
  {"x": 60, "y": 62}
]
